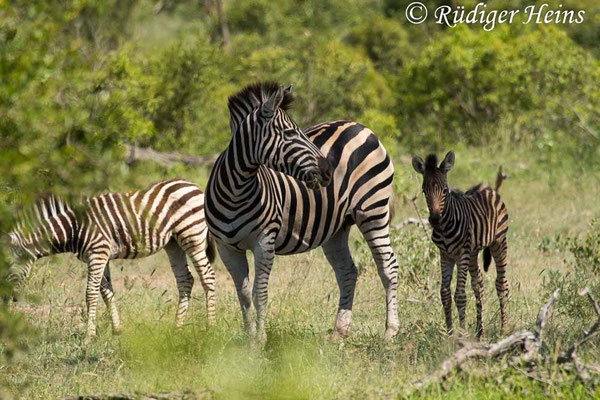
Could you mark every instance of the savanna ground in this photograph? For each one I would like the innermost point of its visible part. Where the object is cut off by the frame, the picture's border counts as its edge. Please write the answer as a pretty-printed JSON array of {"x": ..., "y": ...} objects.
[{"x": 301, "y": 359}]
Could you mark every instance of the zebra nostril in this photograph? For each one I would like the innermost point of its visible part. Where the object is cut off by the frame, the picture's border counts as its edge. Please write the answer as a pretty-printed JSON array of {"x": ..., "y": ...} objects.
[{"x": 325, "y": 169}]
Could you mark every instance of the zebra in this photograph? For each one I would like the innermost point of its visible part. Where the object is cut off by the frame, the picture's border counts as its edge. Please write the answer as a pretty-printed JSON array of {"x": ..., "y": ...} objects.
[
  {"x": 463, "y": 225},
  {"x": 279, "y": 190},
  {"x": 168, "y": 214}
]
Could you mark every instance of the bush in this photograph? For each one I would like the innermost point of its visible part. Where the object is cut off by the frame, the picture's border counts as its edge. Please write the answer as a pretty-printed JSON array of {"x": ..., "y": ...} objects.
[{"x": 470, "y": 81}]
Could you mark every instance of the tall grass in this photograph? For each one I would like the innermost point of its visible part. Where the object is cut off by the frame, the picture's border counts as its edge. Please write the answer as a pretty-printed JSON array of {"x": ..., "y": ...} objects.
[{"x": 301, "y": 359}]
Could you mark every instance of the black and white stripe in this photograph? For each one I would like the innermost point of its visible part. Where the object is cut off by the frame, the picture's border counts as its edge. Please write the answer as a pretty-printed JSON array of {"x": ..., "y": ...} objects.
[
  {"x": 463, "y": 225},
  {"x": 279, "y": 190},
  {"x": 168, "y": 214}
]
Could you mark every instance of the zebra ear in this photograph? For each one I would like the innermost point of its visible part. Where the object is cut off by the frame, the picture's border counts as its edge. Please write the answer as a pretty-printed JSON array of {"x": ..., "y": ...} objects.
[
  {"x": 288, "y": 89},
  {"x": 273, "y": 102},
  {"x": 448, "y": 163},
  {"x": 418, "y": 164}
]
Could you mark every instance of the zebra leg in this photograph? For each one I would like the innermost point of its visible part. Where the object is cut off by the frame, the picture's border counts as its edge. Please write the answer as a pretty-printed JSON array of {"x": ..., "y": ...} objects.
[
  {"x": 108, "y": 295},
  {"x": 447, "y": 265},
  {"x": 264, "y": 253},
  {"x": 376, "y": 232},
  {"x": 207, "y": 278},
  {"x": 338, "y": 254},
  {"x": 237, "y": 265},
  {"x": 183, "y": 276},
  {"x": 460, "y": 295},
  {"x": 499, "y": 252},
  {"x": 96, "y": 266},
  {"x": 477, "y": 285}
]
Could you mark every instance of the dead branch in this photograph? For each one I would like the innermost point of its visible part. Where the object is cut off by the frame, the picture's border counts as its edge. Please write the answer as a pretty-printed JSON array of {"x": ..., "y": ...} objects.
[
  {"x": 136, "y": 153},
  {"x": 477, "y": 350},
  {"x": 410, "y": 221},
  {"x": 570, "y": 356},
  {"x": 500, "y": 177},
  {"x": 524, "y": 340},
  {"x": 178, "y": 395},
  {"x": 529, "y": 344},
  {"x": 414, "y": 202}
]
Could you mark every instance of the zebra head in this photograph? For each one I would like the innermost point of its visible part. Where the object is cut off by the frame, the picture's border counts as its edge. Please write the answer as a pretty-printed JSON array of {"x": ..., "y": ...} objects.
[
  {"x": 259, "y": 115},
  {"x": 435, "y": 183}
]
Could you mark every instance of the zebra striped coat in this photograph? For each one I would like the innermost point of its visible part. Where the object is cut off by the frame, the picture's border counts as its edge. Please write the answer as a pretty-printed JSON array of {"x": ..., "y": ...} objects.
[
  {"x": 463, "y": 225},
  {"x": 168, "y": 214},
  {"x": 278, "y": 190}
]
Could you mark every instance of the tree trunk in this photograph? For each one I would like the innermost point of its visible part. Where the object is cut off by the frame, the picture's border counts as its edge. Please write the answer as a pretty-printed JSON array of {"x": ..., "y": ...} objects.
[{"x": 223, "y": 25}]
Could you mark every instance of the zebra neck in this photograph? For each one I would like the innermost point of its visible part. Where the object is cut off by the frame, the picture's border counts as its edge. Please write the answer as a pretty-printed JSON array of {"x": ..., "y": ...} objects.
[
  {"x": 237, "y": 172},
  {"x": 451, "y": 213}
]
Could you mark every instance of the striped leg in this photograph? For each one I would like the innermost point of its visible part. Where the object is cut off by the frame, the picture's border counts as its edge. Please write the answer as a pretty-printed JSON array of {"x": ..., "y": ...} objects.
[
  {"x": 477, "y": 285},
  {"x": 338, "y": 254},
  {"x": 447, "y": 265},
  {"x": 96, "y": 264},
  {"x": 499, "y": 252},
  {"x": 185, "y": 280},
  {"x": 207, "y": 279},
  {"x": 460, "y": 295},
  {"x": 237, "y": 265},
  {"x": 108, "y": 295},
  {"x": 264, "y": 252},
  {"x": 375, "y": 228}
]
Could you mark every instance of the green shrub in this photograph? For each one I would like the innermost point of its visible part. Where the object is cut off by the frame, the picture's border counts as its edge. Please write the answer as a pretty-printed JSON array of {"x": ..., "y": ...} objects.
[{"x": 470, "y": 84}]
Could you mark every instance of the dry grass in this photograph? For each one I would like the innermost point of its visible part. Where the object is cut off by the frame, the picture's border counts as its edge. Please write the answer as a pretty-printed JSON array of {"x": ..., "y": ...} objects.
[{"x": 300, "y": 359}]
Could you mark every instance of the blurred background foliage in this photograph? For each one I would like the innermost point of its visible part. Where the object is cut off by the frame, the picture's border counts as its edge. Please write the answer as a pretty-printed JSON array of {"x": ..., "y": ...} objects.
[{"x": 81, "y": 79}]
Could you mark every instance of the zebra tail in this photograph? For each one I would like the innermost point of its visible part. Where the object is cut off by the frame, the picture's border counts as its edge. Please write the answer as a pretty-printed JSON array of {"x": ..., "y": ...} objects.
[
  {"x": 487, "y": 259},
  {"x": 211, "y": 247}
]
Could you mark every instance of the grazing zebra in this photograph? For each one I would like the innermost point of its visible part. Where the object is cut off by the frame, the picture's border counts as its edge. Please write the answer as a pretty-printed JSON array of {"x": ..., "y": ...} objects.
[
  {"x": 168, "y": 214},
  {"x": 463, "y": 225},
  {"x": 277, "y": 190}
]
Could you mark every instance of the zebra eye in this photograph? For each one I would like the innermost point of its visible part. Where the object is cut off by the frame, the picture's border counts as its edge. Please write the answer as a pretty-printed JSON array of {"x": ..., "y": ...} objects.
[{"x": 289, "y": 133}]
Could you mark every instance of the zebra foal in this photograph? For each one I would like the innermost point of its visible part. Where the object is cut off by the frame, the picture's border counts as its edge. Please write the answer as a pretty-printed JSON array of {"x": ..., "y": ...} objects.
[
  {"x": 168, "y": 214},
  {"x": 278, "y": 190},
  {"x": 463, "y": 225}
]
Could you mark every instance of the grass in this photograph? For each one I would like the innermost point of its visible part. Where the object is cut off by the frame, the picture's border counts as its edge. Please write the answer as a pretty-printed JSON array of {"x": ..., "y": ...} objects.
[{"x": 301, "y": 360}]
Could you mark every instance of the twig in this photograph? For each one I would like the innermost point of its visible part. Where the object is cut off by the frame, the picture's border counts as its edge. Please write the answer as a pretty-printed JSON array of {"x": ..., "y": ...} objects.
[
  {"x": 136, "y": 153},
  {"x": 500, "y": 177},
  {"x": 571, "y": 354},
  {"x": 414, "y": 202},
  {"x": 410, "y": 221}
]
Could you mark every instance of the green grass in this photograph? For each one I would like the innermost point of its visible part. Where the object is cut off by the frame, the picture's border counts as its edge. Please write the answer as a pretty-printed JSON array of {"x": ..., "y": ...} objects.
[{"x": 301, "y": 359}]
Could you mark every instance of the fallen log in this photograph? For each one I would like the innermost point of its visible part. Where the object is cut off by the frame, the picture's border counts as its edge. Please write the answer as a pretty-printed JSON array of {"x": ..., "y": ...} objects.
[
  {"x": 526, "y": 341},
  {"x": 136, "y": 153},
  {"x": 529, "y": 345}
]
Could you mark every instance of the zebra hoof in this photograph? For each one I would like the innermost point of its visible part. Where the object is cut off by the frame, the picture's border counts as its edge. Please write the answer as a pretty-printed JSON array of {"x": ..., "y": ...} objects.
[
  {"x": 390, "y": 333},
  {"x": 89, "y": 339},
  {"x": 117, "y": 331},
  {"x": 340, "y": 334}
]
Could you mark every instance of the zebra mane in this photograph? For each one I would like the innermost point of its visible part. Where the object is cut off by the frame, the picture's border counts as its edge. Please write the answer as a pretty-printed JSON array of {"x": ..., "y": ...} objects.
[
  {"x": 431, "y": 162},
  {"x": 250, "y": 97},
  {"x": 46, "y": 206}
]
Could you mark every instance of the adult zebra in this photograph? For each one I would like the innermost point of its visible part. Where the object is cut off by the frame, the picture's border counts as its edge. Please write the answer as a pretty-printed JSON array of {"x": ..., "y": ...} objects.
[
  {"x": 277, "y": 190},
  {"x": 168, "y": 214},
  {"x": 463, "y": 225}
]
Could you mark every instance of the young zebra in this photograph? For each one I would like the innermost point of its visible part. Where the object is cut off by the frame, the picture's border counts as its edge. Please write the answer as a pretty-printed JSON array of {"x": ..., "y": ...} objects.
[
  {"x": 277, "y": 190},
  {"x": 463, "y": 225},
  {"x": 168, "y": 214}
]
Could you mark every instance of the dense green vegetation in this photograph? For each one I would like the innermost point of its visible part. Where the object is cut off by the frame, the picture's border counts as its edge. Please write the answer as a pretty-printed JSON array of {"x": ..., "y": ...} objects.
[{"x": 81, "y": 79}]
